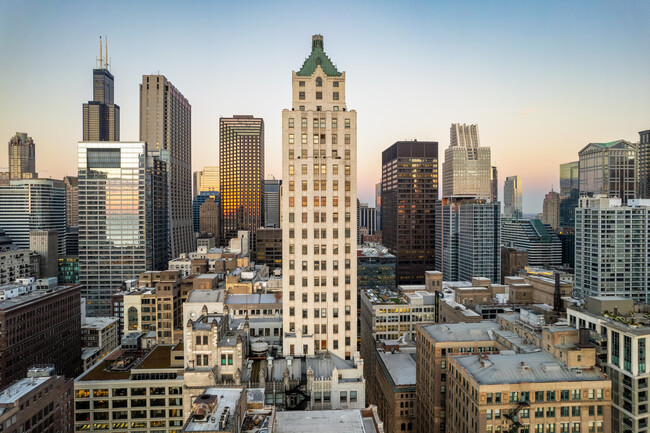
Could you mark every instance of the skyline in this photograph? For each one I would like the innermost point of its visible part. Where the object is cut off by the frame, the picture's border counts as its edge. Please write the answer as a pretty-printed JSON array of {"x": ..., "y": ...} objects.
[{"x": 565, "y": 83}]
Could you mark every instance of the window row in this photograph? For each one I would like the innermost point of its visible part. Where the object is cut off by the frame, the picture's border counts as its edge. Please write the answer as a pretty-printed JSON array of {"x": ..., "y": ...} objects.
[
  {"x": 319, "y": 296},
  {"x": 319, "y": 249},
  {"x": 319, "y": 233},
  {"x": 318, "y": 281},
  {"x": 319, "y": 217},
  {"x": 319, "y": 266},
  {"x": 319, "y": 123}
]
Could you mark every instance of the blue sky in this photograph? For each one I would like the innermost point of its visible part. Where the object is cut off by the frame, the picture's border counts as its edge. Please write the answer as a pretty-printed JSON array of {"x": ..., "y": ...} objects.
[{"x": 542, "y": 79}]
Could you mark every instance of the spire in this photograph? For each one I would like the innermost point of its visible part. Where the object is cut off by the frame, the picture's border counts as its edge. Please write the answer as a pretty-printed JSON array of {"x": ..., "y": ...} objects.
[
  {"x": 106, "y": 58},
  {"x": 101, "y": 58}
]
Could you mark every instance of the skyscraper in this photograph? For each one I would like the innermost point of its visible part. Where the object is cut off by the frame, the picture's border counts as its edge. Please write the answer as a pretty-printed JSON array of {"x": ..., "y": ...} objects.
[
  {"x": 538, "y": 239},
  {"x": 122, "y": 218},
  {"x": 512, "y": 198},
  {"x": 611, "y": 248},
  {"x": 71, "y": 200},
  {"x": 378, "y": 204},
  {"x": 467, "y": 239},
  {"x": 643, "y": 164},
  {"x": 272, "y": 194},
  {"x": 319, "y": 259},
  {"x": 22, "y": 157},
  {"x": 467, "y": 169},
  {"x": 569, "y": 192},
  {"x": 166, "y": 124},
  {"x": 206, "y": 180},
  {"x": 608, "y": 168},
  {"x": 241, "y": 177},
  {"x": 33, "y": 204},
  {"x": 409, "y": 190},
  {"x": 101, "y": 117},
  {"x": 210, "y": 217},
  {"x": 551, "y": 210},
  {"x": 45, "y": 244},
  {"x": 494, "y": 185}
]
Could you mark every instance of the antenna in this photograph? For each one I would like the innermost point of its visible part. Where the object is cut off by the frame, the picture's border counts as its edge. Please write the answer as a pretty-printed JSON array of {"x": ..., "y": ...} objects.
[
  {"x": 100, "y": 53},
  {"x": 106, "y": 59}
]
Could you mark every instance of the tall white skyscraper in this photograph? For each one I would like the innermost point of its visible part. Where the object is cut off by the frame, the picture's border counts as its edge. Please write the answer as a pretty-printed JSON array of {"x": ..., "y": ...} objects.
[
  {"x": 611, "y": 248},
  {"x": 512, "y": 198},
  {"x": 467, "y": 169},
  {"x": 319, "y": 211}
]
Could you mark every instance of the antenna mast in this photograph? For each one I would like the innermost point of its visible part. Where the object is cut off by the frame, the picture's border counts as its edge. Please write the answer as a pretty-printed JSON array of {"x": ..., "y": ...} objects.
[
  {"x": 101, "y": 58},
  {"x": 106, "y": 59}
]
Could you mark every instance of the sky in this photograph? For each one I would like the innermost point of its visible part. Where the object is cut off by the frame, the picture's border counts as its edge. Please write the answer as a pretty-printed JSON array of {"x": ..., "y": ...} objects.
[{"x": 541, "y": 79}]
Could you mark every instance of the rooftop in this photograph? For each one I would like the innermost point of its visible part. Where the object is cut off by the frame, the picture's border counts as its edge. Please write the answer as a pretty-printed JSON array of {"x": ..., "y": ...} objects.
[
  {"x": 21, "y": 388},
  {"x": 318, "y": 58},
  {"x": 36, "y": 295},
  {"x": 226, "y": 399},
  {"x": 509, "y": 367},
  {"x": 452, "y": 332},
  {"x": 400, "y": 366},
  {"x": 255, "y": 298},
  {"x": 98, "y": 322},
  {"x": 323, "y": 421},
  {"x": 203, "y": 296},
  {"x": 157, "y": 358}
]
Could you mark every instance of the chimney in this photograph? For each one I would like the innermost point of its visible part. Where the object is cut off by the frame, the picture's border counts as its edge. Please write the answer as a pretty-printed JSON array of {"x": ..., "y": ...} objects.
[{"x": 584, "y": 337}]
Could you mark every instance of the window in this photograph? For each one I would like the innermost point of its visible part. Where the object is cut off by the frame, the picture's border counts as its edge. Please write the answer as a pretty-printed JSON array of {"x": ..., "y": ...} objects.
[
  {"x": 303, "y": 123},
  {"x": 301, "y": 95},
  {"x": 539, "y": 396},
  {"x": 335, "y": 84},
  {"x": 319, "y": 82},
  {"x": 347, "y": 123},
  {"x": 550, "y": 395},
  {"x": 335, "y": 96},
  {"x": 292, "y": 139},
  {"x": 301, "y": 83},
  {"x": 319, "y": 95},
  {"x": 347, "y": 138}
]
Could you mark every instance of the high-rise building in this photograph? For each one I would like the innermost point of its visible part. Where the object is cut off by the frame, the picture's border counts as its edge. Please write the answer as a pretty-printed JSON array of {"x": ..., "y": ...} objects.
[
  {"x": 409, "y": 191},
  {"x": 608, "y": 168},
  {"x": 494, "y": 185},
  {"x": 210, "y": 218},
  {"x": 241, "y": 177},
  {"x": 42, "y": 327},
  {"x": 319, "y": 258},
  {"x": 643, "y": 164},
  {"x": 569, "y": 192},
  {"x": 268, "y": 247},
  {"x": 272, "y": 194},
  {"x": 122, "y": 218},
  {"x": 101, "y": 117},
  {"x": 539, "y": 239},
  {"x": 467, "y": 239},
  {"x": 551, "y": 210},
  {"x": 165, "y": 124},
  {"x": 366, "y": 221},
  {"x": 611, "y": 254},
  {"x": 33, "y": 204},
  {"x": 378, "y": 204},
  {"x": 467, "y": 169},
  {"x": 567, "y": 236},
  {"x": 22, "y": 157},
  {"x": 45, "y": 244},
  {"x": 512, "y": 198},
  {"x": 157, "y": 210},
  {"x": 71, "y": 200},
  {"x": 206, "y": 180}
]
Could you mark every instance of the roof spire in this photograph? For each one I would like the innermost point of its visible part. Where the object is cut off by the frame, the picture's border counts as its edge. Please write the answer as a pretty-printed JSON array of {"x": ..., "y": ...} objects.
[
  {"x": 106, "y": 59},
  {"x": 101, "y": 58}
]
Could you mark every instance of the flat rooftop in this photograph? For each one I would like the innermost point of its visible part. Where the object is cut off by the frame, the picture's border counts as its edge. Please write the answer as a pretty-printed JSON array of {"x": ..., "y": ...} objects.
[
  {"x": 35, "y": 296},
  {"x": 98, "y": 322},
  {"x": 254, "y": 298},
  {"x": 226, "y": 397},
  {"x": 20, "y": 389},
  {"x": 156, "y": 359},
  {"x": 202, "y": 296},
  {"x": 452, "y": 332},
  {"x": 400, "y": 366},
  {"x": 508, "y": 367},
  {"x": 323, "y": 421}
]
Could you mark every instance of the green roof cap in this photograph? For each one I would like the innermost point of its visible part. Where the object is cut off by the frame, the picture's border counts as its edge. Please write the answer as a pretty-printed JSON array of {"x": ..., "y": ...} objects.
[{"x": 318, "y": 57}]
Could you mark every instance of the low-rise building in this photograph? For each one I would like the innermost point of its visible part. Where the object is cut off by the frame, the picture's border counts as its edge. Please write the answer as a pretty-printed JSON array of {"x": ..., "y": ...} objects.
[
  {"x": 132, "y": 389},
  {"x": 16, "y": 264},
  {"x": 435, "y": 343},
  {"x": 526, "y": 393},
  {"x": 41, "y": 327},
  {"x": 393, "y": 386},
  {"x": 329, "y": 421},
  {"x": 41, "y": 402},
  {"x": 99, "y": 337}
]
